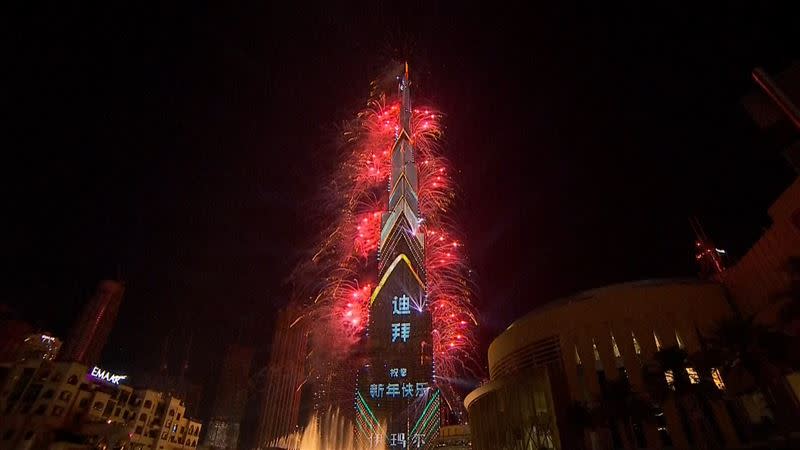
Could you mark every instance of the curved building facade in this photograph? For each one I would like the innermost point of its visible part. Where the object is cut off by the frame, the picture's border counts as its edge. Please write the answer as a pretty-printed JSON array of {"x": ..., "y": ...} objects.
[{"x": 566, "y": 353}]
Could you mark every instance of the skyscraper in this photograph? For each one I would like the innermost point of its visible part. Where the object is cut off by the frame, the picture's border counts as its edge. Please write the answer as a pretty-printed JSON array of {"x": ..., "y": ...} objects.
[
  {"x": 90, "y": 332},
  {"x": 280, "y": 406},
  {"x": 229, "y": 403},
  {"x": 395, "y": 399}
]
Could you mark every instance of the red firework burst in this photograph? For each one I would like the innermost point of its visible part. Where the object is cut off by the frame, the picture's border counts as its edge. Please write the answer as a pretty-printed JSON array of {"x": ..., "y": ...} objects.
[{"x": 349, "y": 245}]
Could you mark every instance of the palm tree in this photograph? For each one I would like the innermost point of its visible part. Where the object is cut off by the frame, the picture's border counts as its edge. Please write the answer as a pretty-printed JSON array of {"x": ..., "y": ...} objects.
[
  {"x": 752, "y": 356},
  {"x": 626, "y": 407},
  {"x": 579, "y": 418},
  {"x": 667, "y": 378}
]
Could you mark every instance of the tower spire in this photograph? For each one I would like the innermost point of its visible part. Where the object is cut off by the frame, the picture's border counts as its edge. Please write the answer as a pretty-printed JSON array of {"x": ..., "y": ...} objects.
[
  {"x": 401, "y": 222},
  {"x": 405, "y": 96}
]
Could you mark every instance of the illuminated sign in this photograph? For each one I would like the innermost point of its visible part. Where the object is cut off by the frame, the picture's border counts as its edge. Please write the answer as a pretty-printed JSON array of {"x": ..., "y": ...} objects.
[
  {"x": 399, "y": 440},
  {"x": 401, "y": 305},
  {"x": 395, "y": 390},
  {"x": 401, "y": 331},
  {"x": 104, "y": 375},
  {"x": 398, "y": 372}
]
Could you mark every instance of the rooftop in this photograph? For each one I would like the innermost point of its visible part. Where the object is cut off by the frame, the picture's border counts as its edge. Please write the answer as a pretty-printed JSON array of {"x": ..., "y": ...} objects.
[{"x": 591, "y": 293}]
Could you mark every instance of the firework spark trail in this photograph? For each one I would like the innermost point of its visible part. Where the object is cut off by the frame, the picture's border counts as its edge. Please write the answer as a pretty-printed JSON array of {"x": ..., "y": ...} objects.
[{"x": 337, "y": 276}]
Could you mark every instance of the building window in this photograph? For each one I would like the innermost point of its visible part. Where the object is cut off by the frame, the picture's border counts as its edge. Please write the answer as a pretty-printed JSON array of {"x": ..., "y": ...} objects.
[
  {"x": 65, "y": 395},
  {"x": 72, "y": 380},
  {"x": 171, "y": 412},
  {"x": 717, "y": 377},
  {"x": 58, "y": 411},
  {"x": 164, "y": 435},
  {"x": 84, "y": 403},
  {"x": 678, "y": 339},
  {"x": 117, "y": 411},
  {"x": 175, "y": 428},
  {"x": 658, "y": 341},
  {"x": 614, "y": 346},
  {"x": 598, "y": 365},
  {"x": 98, "y": 406},
  {"x": 138, "y": 430},
  {"x": 48, "y": 394},
  {"x": 148, "y": 404},
  {"x": 178, "y": 417},
  {"x": 142, "y": 417},
  {"x": 670, "y": 377},
  {"x": 636, "y": 347},
  {"x": 40, "y": 410},
  {"x": 125, "y": 414},
  {"x": 694, "y": 377}
]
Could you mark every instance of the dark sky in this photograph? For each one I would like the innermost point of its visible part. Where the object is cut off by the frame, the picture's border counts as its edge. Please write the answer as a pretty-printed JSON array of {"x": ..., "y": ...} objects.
[{"x": 182, "y": 146}]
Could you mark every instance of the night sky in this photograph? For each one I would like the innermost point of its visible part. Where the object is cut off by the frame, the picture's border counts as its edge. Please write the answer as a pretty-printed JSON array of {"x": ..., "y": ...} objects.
[{"x": 181, "y": 147}]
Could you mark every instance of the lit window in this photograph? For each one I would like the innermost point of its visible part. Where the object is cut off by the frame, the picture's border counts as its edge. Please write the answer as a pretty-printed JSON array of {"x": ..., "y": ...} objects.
[
  {"x": 670, "y": 377},
  {"x": 658, "y": 341},
  {"x": 617, "y": 354},
  {"x": 598, "y": 364},
  {"x": 636, "y": 347},
  {"x": 577, "y": 356},
  {"x": 678, "y": 339},
  {"x": 694, "y": 378},
  {"x": 717, "y": 377}
]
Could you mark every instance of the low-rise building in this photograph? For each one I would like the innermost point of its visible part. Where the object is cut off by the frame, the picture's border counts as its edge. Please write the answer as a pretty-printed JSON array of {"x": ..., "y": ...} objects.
[
  {"x": 68, "y": 405},
  {"x": 39, "y": 346}
]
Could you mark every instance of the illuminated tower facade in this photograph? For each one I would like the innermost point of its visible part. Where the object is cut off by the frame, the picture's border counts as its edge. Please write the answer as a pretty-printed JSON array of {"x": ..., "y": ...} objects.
[
  {"x": 89, "y": 335},
  {"x": 396, "y": 402}
]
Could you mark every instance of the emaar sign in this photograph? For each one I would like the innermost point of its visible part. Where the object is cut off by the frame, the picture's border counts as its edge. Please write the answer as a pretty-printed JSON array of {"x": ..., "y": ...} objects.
[{"x": 104, "y": 375}]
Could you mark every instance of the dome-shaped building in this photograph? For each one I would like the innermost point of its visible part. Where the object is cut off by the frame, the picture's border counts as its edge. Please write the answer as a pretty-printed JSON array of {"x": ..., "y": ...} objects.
[{"x": 564, "y": 355}]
